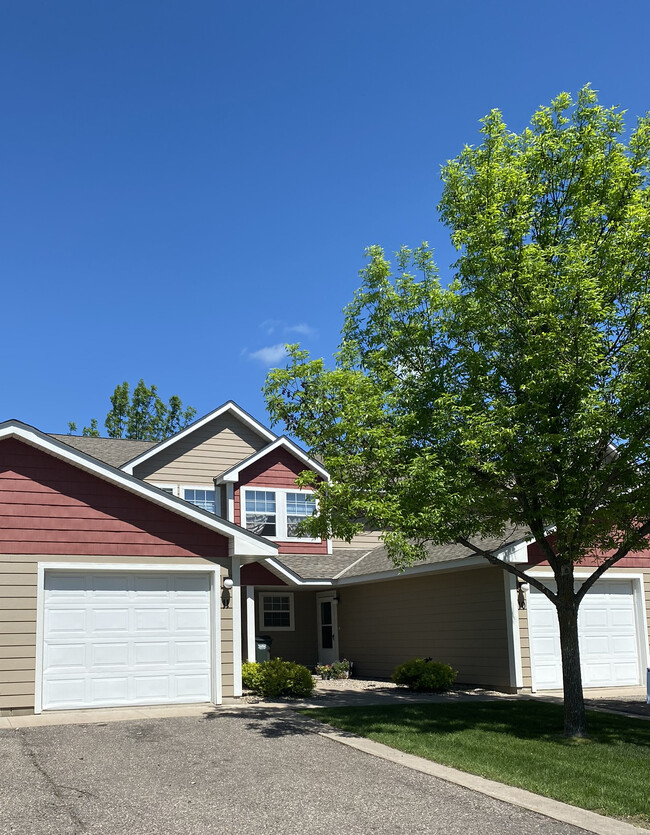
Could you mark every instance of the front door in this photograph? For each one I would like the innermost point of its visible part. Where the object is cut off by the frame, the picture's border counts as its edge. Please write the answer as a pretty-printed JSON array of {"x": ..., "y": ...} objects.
[{"x": 328, "y": 632}]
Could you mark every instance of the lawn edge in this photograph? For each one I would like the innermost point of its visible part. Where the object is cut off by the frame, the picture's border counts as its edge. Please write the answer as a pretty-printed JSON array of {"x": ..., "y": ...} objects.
[{"x": 547, "y": 806}]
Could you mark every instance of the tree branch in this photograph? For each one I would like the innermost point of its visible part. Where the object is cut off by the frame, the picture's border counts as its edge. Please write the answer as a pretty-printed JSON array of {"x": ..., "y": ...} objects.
[
  {"x": 623, "y": 551},
  {"x": 509, "y": 567}
]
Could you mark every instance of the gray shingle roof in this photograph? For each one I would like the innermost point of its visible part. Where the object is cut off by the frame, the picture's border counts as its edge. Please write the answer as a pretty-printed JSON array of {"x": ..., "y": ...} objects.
[
  {"x": 113, "y": 451},
  {"x": 356, "y": 563},
  {"x": 320, "y": 566}
]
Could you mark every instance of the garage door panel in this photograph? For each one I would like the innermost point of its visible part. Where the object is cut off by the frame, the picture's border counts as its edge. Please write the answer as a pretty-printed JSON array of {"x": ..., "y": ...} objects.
[
  {"x": 163, "y": 654},
  {"x": 607, "y": 633}
]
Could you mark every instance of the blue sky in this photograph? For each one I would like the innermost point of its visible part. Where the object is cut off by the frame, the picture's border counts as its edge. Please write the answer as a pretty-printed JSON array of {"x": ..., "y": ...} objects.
[{"x": 186, "y": 185}]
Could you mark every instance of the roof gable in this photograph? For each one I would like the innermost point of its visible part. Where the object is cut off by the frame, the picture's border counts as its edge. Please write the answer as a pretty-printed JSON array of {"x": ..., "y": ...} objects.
[
  {"x": 229, "y": 407},
  {"x": 234, "y": 473}
]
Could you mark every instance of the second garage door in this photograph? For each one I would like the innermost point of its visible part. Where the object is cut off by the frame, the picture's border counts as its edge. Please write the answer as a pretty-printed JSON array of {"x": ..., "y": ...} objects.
[
  {"x": 126, "y": 638},
  {"x": 609, "y": 647}
]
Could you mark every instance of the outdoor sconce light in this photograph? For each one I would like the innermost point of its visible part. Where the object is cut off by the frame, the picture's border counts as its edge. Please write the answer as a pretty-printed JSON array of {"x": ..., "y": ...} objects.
[
  {"x": 225, "y": 594},
  {"x": 522, "y": 589}
]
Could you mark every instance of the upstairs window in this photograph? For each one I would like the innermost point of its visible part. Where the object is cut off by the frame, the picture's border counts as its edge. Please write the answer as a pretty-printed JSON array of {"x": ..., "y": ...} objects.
[
  {"x": 277, "y": 513},
  {"x": 261, "y": 512},
  {"x": 201, "y": 498},
  {"x": 299, "y": 507}
]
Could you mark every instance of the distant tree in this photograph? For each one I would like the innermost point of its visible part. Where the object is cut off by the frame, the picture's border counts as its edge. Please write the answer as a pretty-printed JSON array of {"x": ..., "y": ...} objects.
[
  {"x": 520, "y": 393},
  {"x": 143, "y": 416}
]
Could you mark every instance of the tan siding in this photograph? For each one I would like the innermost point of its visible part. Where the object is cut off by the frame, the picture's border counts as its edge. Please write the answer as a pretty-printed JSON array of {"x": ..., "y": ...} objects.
[
  {"x": 365, "y": 539},
  {"x": 18, "y": 623},
  {"x": 457, "y": 618},
  {"x": 204, "y": 454},
  {"x": 299, "y": 644},
  {"x": 227, "y": 658},
  {"x": 523, "y": 619}
]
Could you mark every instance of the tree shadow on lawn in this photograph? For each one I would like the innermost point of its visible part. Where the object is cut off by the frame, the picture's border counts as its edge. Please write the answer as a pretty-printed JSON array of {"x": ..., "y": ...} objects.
[
  {"x": 271, "y": 724},
  {"x": 522, "y": 719}
]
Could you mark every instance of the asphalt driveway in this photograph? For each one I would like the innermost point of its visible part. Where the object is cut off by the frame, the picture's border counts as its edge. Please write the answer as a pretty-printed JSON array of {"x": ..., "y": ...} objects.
[{"x": 240, "y": 772}]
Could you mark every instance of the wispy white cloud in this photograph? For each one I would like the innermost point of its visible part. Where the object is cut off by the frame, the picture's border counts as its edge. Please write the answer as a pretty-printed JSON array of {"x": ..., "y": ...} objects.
[
  {"x": 270, "y": 356},
  {"x": 302, "y": 329},
  {"x": 283, "y": 328}
]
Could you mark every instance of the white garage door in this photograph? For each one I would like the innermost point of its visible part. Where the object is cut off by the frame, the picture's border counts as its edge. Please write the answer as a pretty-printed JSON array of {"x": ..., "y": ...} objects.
[
  {"x": 118, "y": 638},
  {"x": 609, "y": 649}
]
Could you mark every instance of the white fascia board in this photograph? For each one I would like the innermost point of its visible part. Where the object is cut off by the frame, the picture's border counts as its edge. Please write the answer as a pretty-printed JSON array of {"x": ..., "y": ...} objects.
[
  {"x": 242, "y": 543},
  {"x": 232, "y": 475},
  {"x": 286, "y": 574},
  {"x": 239, "y": 413},
  {"x": 517, "y": 552}
]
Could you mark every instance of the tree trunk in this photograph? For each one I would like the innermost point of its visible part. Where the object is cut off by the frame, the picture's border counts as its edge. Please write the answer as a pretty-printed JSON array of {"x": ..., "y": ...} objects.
[{"x": 575, "y": 720}]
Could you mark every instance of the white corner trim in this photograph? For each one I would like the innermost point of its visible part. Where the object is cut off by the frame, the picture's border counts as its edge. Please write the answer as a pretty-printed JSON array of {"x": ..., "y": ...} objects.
[
  {"x": 230, "y": 406},
  {"x": 250, "y": 623},
  {"x": 242, "y": 542},
  {"x": 233, "y": 473},
  {"x": 236, "y": 627},
  {"x": 514, "y": 637}
]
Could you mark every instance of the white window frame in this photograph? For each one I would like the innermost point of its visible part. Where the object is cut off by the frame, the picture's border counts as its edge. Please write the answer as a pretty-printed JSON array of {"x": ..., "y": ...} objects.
[
  {"x": 184, "y": 487},
  {"x": 280, "y": 511},
  {"x": 292, "y": 623}
]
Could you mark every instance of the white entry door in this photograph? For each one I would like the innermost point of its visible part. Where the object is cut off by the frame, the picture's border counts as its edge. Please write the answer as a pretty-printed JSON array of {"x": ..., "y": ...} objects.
[
  {"x": 328, "y": 629},
  {"x": 609, "y": 648},
  {"x": 125, "y": 638}
]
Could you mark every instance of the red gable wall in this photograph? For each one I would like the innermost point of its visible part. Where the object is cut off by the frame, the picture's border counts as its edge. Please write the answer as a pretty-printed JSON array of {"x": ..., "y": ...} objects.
[
  {"x": 641, "y": 559},
  {"x": 277, "y": 469},
  {"x": 50, "y": 507}
]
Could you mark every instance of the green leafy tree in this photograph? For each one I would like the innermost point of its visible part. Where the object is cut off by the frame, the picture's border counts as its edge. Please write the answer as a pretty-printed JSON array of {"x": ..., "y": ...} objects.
[
  {"x": 142, "y": 415},
  {"x": 520, "y": 393}
]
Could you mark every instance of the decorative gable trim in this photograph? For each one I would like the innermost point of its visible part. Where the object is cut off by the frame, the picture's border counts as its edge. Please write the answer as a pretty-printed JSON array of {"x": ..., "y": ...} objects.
[
  {"x": 230, "y": 406},
  {"x": 232, "y": 475}
]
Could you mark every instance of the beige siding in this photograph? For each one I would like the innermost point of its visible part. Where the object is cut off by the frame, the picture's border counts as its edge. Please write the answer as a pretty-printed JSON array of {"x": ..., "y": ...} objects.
[
  {"x": 227, "y": 658},
  {"x": 18, "y": 582},
  {"x": 523, "y": 620},
  {"x": 364, "y": 540},
  {"x": 203, "y": 454},
  {"x": 299, "y": 644},
  {"x": 458, "y": 618}
]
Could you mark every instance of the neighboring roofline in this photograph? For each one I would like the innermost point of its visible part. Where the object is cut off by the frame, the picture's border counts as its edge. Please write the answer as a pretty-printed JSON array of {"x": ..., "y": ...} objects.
[
  {"x": 280, "y": 570},
  {"x": 242, "y": 543},
  {"x": 511, "y": 552},
  {"x": 230, "y": 406},
  {"x": 232, "y": 475}
]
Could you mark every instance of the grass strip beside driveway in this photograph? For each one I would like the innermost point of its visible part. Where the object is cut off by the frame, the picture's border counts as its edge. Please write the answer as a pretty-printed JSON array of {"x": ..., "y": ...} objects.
[{"x": 519, "y": 743}]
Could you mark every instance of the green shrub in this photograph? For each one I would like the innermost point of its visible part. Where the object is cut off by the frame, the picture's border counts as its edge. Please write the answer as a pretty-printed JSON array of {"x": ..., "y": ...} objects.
[
  {"x": 250, "y": 675},
  {"x": 277, "y": 678},
  {"x": 424, "y": 675}
]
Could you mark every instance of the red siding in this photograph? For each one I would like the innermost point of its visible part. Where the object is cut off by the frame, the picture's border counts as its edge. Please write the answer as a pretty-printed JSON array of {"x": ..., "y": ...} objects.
[
  {"x": 50, "y": 507},
  {"x": 254, "y": 574},
  {"x": 277, "y": 469},
  {"x": 641, "y": 559}
]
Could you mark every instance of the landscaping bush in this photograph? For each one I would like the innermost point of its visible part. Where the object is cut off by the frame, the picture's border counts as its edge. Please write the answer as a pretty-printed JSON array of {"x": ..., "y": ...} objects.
[
  {"x": 250, "y": 675},
  {"x": 277, "y": 678},
  {"x": 422, "y": 674}
]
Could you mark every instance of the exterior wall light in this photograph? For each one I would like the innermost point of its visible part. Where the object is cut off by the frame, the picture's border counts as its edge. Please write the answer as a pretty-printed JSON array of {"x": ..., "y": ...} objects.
[
  {"x": 225, "y": 594},
  {"x": 522, "y": 590}
]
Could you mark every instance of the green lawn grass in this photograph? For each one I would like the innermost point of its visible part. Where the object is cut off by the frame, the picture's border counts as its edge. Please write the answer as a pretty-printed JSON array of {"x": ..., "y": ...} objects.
[{"x": 520, "y": 743}]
